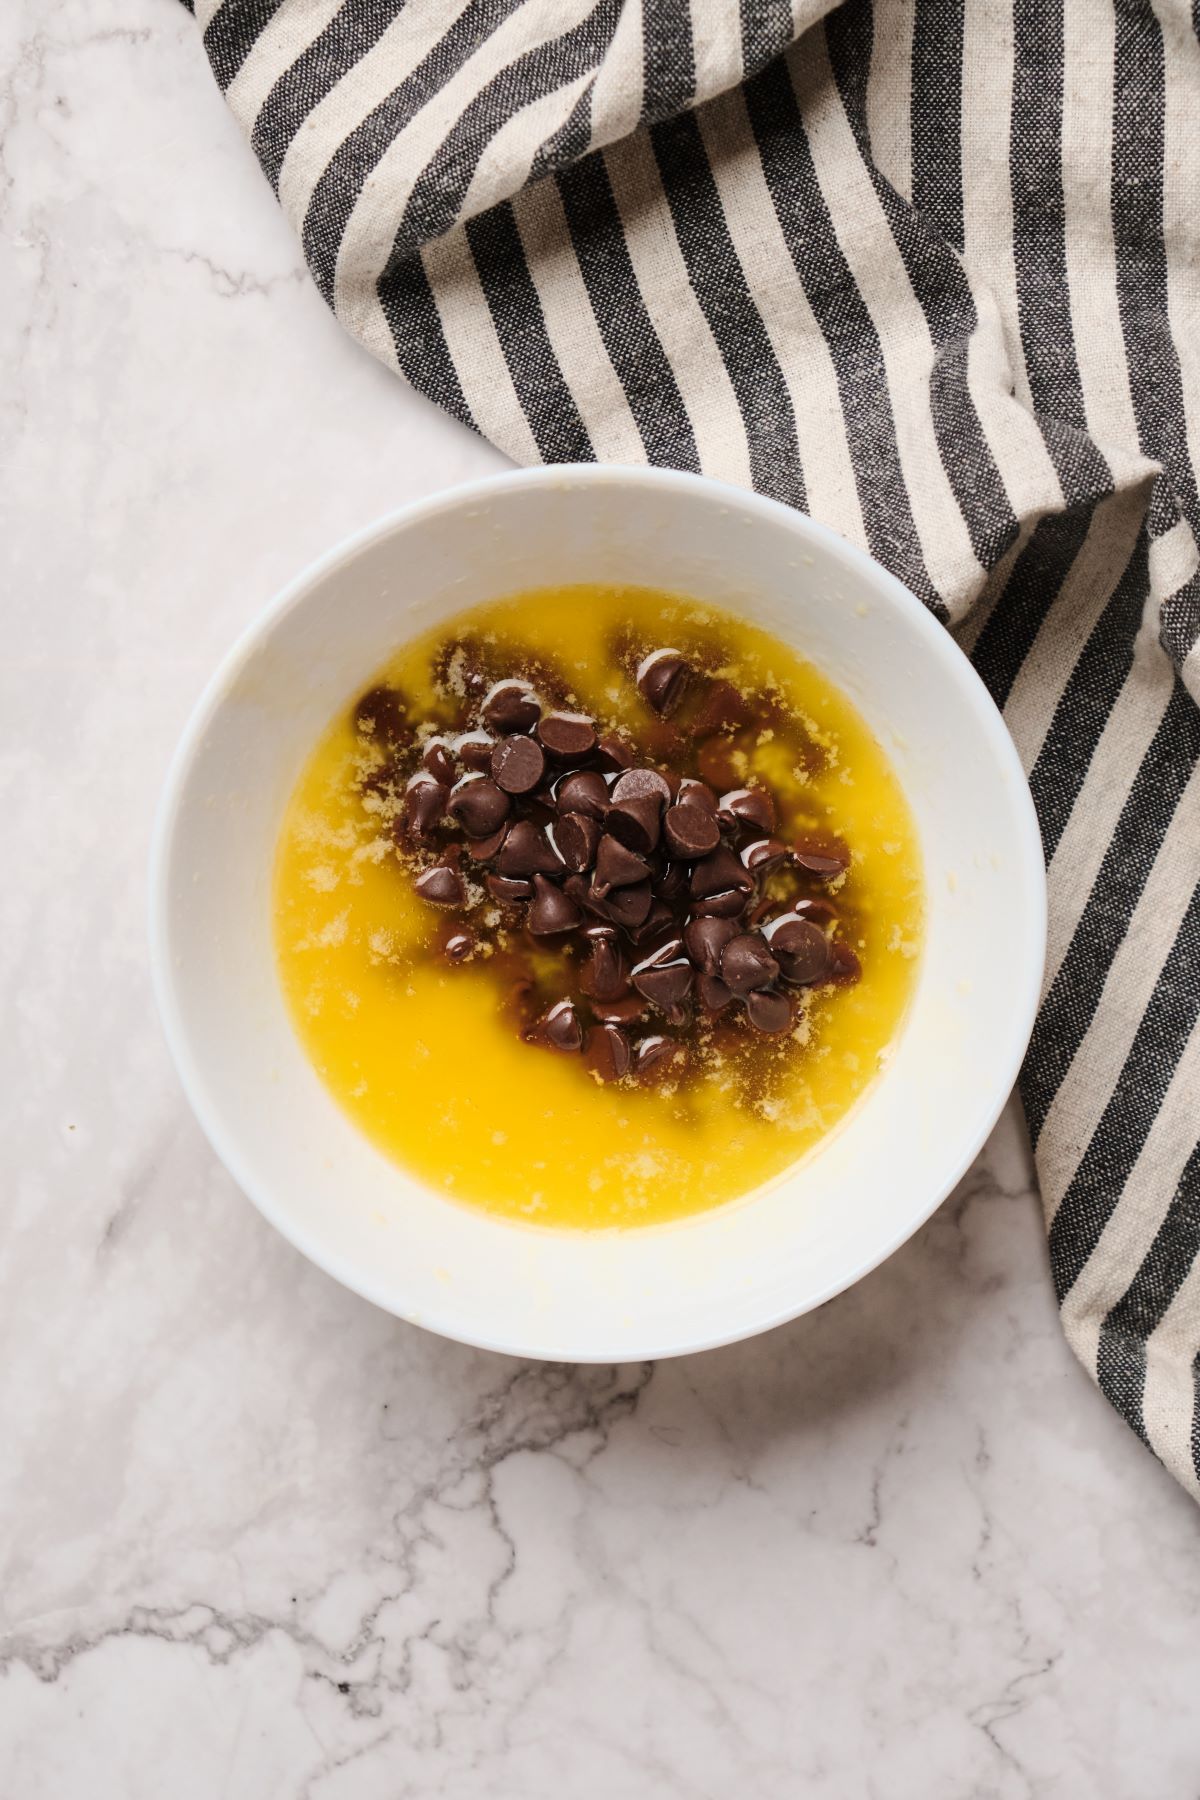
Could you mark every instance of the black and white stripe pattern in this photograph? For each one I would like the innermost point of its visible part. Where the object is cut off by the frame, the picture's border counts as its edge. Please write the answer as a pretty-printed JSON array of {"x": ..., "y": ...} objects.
[{"x": 926, "y": 268}]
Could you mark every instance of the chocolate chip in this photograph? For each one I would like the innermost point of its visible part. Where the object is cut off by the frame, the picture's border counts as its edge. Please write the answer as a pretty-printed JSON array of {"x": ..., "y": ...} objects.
[
  {"x": 382, "y": 716},
  {"x": 460, "y": 946},
  {"x": 657, "y": 920},
  {"x": 478, "y": 805},
  {"x": 606, "y": 1052},
  {"x": 585, "y": 791},
  {"x": 518, "y": 764},
  {"x": 696, "y": 793},
  {"x": 723, "y": 709},
  {"x": 655, "y": 1057},
  {"x": 507, "y": 889},
  {"x": 799, "y": 947},
  {"x": 816, "y": 908},
  {"x": 763, "y": 855},
  {"x": 617, "y": 867},
  {"x": 483, "y": 849},
  {"x": 425, "y": 802},
  {"x": 636, "y": 821},
  {"x": 747, "y": 806},
  {"x": 605, "y": 974},
  {"x": 747, "y": 963},
  {"x": 665, "y": 984},
  {"x": 704, "y": 940},
  {"x": 568, "y": 737},
  {"x": 613, "y": 754},
  {"x": 672, "y": 883},
  {"x": 663, "y": 679},
  {"x": 624, "y": 1011},
  {"x": 729, "y": 905},
  {"x": 438, "y": 760},
  {"x": 474, "y": 751},
  {"x": 713, "y": 994},
  {"x": 691, "y": 830},
  {"x": 558, "y": 1028},
  {"x": 823, "y": 856},
  {"x": 552, "y": 911},
  {"x": 844, "y": 966},
  {"x": 635, "y": 783},
  {"x": 717, "y": 873},
  {"x": 442, "y": 885},
  {"x": 629, "y": 906},
  {"x": 577, "y": 838},
  {"x": 526, "y": 850},
  {"x": 511, "y": 705},
  {"x": 768, "y": 1011}
]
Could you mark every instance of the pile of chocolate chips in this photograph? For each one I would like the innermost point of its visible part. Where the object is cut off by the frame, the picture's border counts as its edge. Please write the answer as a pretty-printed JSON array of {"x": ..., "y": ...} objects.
[{"x": 650, "y": 883}]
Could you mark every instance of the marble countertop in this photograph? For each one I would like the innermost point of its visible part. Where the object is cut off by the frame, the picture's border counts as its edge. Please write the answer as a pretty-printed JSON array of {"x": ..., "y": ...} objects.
[{"x": 258, "y": 1539}]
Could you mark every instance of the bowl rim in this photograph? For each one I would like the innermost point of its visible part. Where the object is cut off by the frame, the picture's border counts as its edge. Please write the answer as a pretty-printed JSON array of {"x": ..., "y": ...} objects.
[{"x": 935, "y": 639}]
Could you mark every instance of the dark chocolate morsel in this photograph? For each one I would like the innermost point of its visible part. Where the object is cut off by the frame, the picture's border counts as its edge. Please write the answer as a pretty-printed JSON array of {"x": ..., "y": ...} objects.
[
  {"x": 768, "y": 1011},
  {"x": 799, "y": 947},
  {"x": 584, "y": 791},
  {"x": 844, "y": 966},
  {"x": 442, "y": 885},
  {"x": 617, "y": 867},
  {"x": 577, "y": 837},
  {"x": 613, "y": 754},
  {"x": 478, "y": 805},
  {"x": 605, "y": 974},
  {"x": 672, "y": 883},
  {"x": 816, "y": 908},
  {"x": 527, "y": 850},
  {"x": 508, "y": 889},
  {"x": 459, "y": 946},
  {"x": 551, "y": 911},
  {"x": 714, "y": 995},
  {"x": 747, "y": 806},
  {"x": 381, "y": 715},
  {"x": 559, "y": 1028},
  {"x": 484, "y": 848},
  {"x": 729, "y": 905},
  {"x": 425, "y": 801},
  {"x": 634, "y": 784},
  {"x": 655, "y": 1057},
  {"x": 437, "y": 759},
  {"x": 723, "y": 709},
  {"x": 665, "y": 984},
  {"x": 704, "y": 940},
  {"x": 474, "y": 750},
  {"x": 636, "y": 821},
  {"x": 568, "y": 737},
  {"x": 606, "y": 1052},
  {"x": 691, "y": 829},
  {"x": 629, "y": 906},
  {"x": 718, "y": 871},
  {"x": 696, "y": 793},
  {"x": 823, "y": 856},
  {"x": 622, "y": 1011},
  {"x": 659, "y": 919},
  {"x": 511, "y": 705},
  {"x": 663, "y": 679},
  {"x": 763, "y": 855},
  {"x": 518, "y": 764},
  {"x": 747, "y": 963}
]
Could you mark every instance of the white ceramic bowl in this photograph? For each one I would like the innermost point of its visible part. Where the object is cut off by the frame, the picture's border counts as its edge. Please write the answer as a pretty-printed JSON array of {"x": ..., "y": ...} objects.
[{"x": 611, "y": 1296}]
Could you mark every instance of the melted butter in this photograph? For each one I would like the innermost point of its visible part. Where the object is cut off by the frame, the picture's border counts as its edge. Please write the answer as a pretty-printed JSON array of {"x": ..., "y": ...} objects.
[{"x": 420, "y": 1054}]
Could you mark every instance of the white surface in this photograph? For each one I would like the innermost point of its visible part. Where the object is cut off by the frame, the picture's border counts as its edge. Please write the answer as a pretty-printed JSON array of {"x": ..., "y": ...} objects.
[
  {"x": 614, "y": 1296},
  {"x": 898, "y": 1549}
]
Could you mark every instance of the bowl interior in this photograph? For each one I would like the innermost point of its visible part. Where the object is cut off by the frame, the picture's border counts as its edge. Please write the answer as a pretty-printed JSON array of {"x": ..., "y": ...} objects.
[{"x": 621, "y": 1295}]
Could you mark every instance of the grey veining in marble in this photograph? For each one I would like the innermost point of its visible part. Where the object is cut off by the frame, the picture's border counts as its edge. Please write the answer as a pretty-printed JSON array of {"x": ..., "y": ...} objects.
[{"x": 259, "y": 1540}]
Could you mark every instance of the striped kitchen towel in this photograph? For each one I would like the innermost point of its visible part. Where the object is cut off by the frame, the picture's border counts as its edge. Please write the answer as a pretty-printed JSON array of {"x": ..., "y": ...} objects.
[{"x": 929, "y": 270}]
